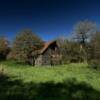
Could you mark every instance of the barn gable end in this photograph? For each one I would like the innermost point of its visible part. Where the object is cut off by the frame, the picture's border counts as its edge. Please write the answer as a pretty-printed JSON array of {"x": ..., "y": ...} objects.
[{"x": 49, "y": 55}]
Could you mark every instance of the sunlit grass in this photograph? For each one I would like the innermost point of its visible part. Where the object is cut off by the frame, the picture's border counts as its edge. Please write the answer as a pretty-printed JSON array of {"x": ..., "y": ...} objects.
[{"x": 42, "y": 74}]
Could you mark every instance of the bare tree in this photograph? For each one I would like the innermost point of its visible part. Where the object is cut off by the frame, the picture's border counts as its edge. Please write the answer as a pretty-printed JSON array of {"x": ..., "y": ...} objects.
[{"x": 83, "y": 31}]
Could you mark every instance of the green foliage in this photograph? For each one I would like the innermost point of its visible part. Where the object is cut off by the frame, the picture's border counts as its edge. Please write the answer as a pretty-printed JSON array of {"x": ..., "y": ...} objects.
[
  {"x": 94, "y": 51},
  {"x": 25, "y": 44}
]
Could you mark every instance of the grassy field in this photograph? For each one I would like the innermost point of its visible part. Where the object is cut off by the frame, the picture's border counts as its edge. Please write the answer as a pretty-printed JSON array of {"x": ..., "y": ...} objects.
[{"x": 63, "y": 82}]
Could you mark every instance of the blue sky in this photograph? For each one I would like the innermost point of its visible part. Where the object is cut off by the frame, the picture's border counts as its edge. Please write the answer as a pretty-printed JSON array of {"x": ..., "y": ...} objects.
[{"x": 47, "y": 18}]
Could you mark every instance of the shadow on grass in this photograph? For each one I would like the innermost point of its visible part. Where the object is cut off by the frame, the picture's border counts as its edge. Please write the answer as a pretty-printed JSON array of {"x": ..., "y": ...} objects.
[{"x": 68, "y": 90}]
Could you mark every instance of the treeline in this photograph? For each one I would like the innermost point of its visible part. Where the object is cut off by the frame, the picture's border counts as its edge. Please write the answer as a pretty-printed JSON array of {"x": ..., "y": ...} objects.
[{"x": 84, "y": 46}]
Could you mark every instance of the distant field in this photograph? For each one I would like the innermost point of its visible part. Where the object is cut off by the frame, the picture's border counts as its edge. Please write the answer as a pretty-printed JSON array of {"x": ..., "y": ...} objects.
[{"x": 79, "y": 73}]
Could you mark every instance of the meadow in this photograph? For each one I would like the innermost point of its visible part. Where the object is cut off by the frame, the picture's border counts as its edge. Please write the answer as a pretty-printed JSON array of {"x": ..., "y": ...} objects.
[{"x": 62, "y": 82}]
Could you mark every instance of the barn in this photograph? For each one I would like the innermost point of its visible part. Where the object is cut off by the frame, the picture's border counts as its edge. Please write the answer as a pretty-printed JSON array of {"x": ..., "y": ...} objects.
[{"x": 49, "y": 54}]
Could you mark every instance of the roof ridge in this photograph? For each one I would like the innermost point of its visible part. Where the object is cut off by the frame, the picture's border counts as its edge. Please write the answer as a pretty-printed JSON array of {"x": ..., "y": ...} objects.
[{"x": 46, "y": 45}]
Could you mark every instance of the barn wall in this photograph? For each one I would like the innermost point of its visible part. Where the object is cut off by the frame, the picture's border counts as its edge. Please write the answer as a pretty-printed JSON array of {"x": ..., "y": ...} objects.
[
  {"x": 46, "y": 57},
  {"x": 51, "y": 57},
  {"x": 39, "y": 60}
]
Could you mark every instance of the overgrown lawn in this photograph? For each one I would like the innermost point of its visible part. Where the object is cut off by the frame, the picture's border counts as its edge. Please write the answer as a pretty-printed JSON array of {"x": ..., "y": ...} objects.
[{"x": 72, "y": 81}]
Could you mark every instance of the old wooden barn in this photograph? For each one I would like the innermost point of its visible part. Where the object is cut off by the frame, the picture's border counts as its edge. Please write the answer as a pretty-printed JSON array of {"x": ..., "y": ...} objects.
[{"x": 49, "y": 54}]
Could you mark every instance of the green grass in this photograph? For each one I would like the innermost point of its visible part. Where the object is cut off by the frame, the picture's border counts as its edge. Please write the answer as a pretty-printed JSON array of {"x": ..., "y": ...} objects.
[{"x": 55, "y": 74}]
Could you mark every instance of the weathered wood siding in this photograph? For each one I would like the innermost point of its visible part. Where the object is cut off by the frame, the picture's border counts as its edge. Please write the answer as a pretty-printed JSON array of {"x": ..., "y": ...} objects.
[
  {"x": 38, "y": 60},
  {"x": 50, "y": 57},
  {"x": 46, "y": 57}
]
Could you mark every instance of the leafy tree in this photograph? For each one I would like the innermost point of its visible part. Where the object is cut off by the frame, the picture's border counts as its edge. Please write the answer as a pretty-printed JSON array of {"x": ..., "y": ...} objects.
[
  {"x": 94, "y": 51},
  {"x": 24, "y": 47},
  {"x": 4, "y": 48}
]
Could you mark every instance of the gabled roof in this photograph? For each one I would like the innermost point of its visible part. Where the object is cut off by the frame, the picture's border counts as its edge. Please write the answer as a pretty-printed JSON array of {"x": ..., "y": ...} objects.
[{"x": 46, "y": 45}]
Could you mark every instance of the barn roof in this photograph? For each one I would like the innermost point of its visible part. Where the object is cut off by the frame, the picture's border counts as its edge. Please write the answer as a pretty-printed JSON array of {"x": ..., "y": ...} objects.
[{"x": 46, "y": 45}]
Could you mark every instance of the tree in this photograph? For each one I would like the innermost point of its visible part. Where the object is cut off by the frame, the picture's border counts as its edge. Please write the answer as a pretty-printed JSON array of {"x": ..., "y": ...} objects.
[
  {"x": 83, "y": 31},
  {"x": 63, "y": 45},
  {"x": 94, "y": 51},
  {"x": 70, "y": 51},
  {"x": 4, "y": 48},
  {"x": 24, "y": 47}
]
